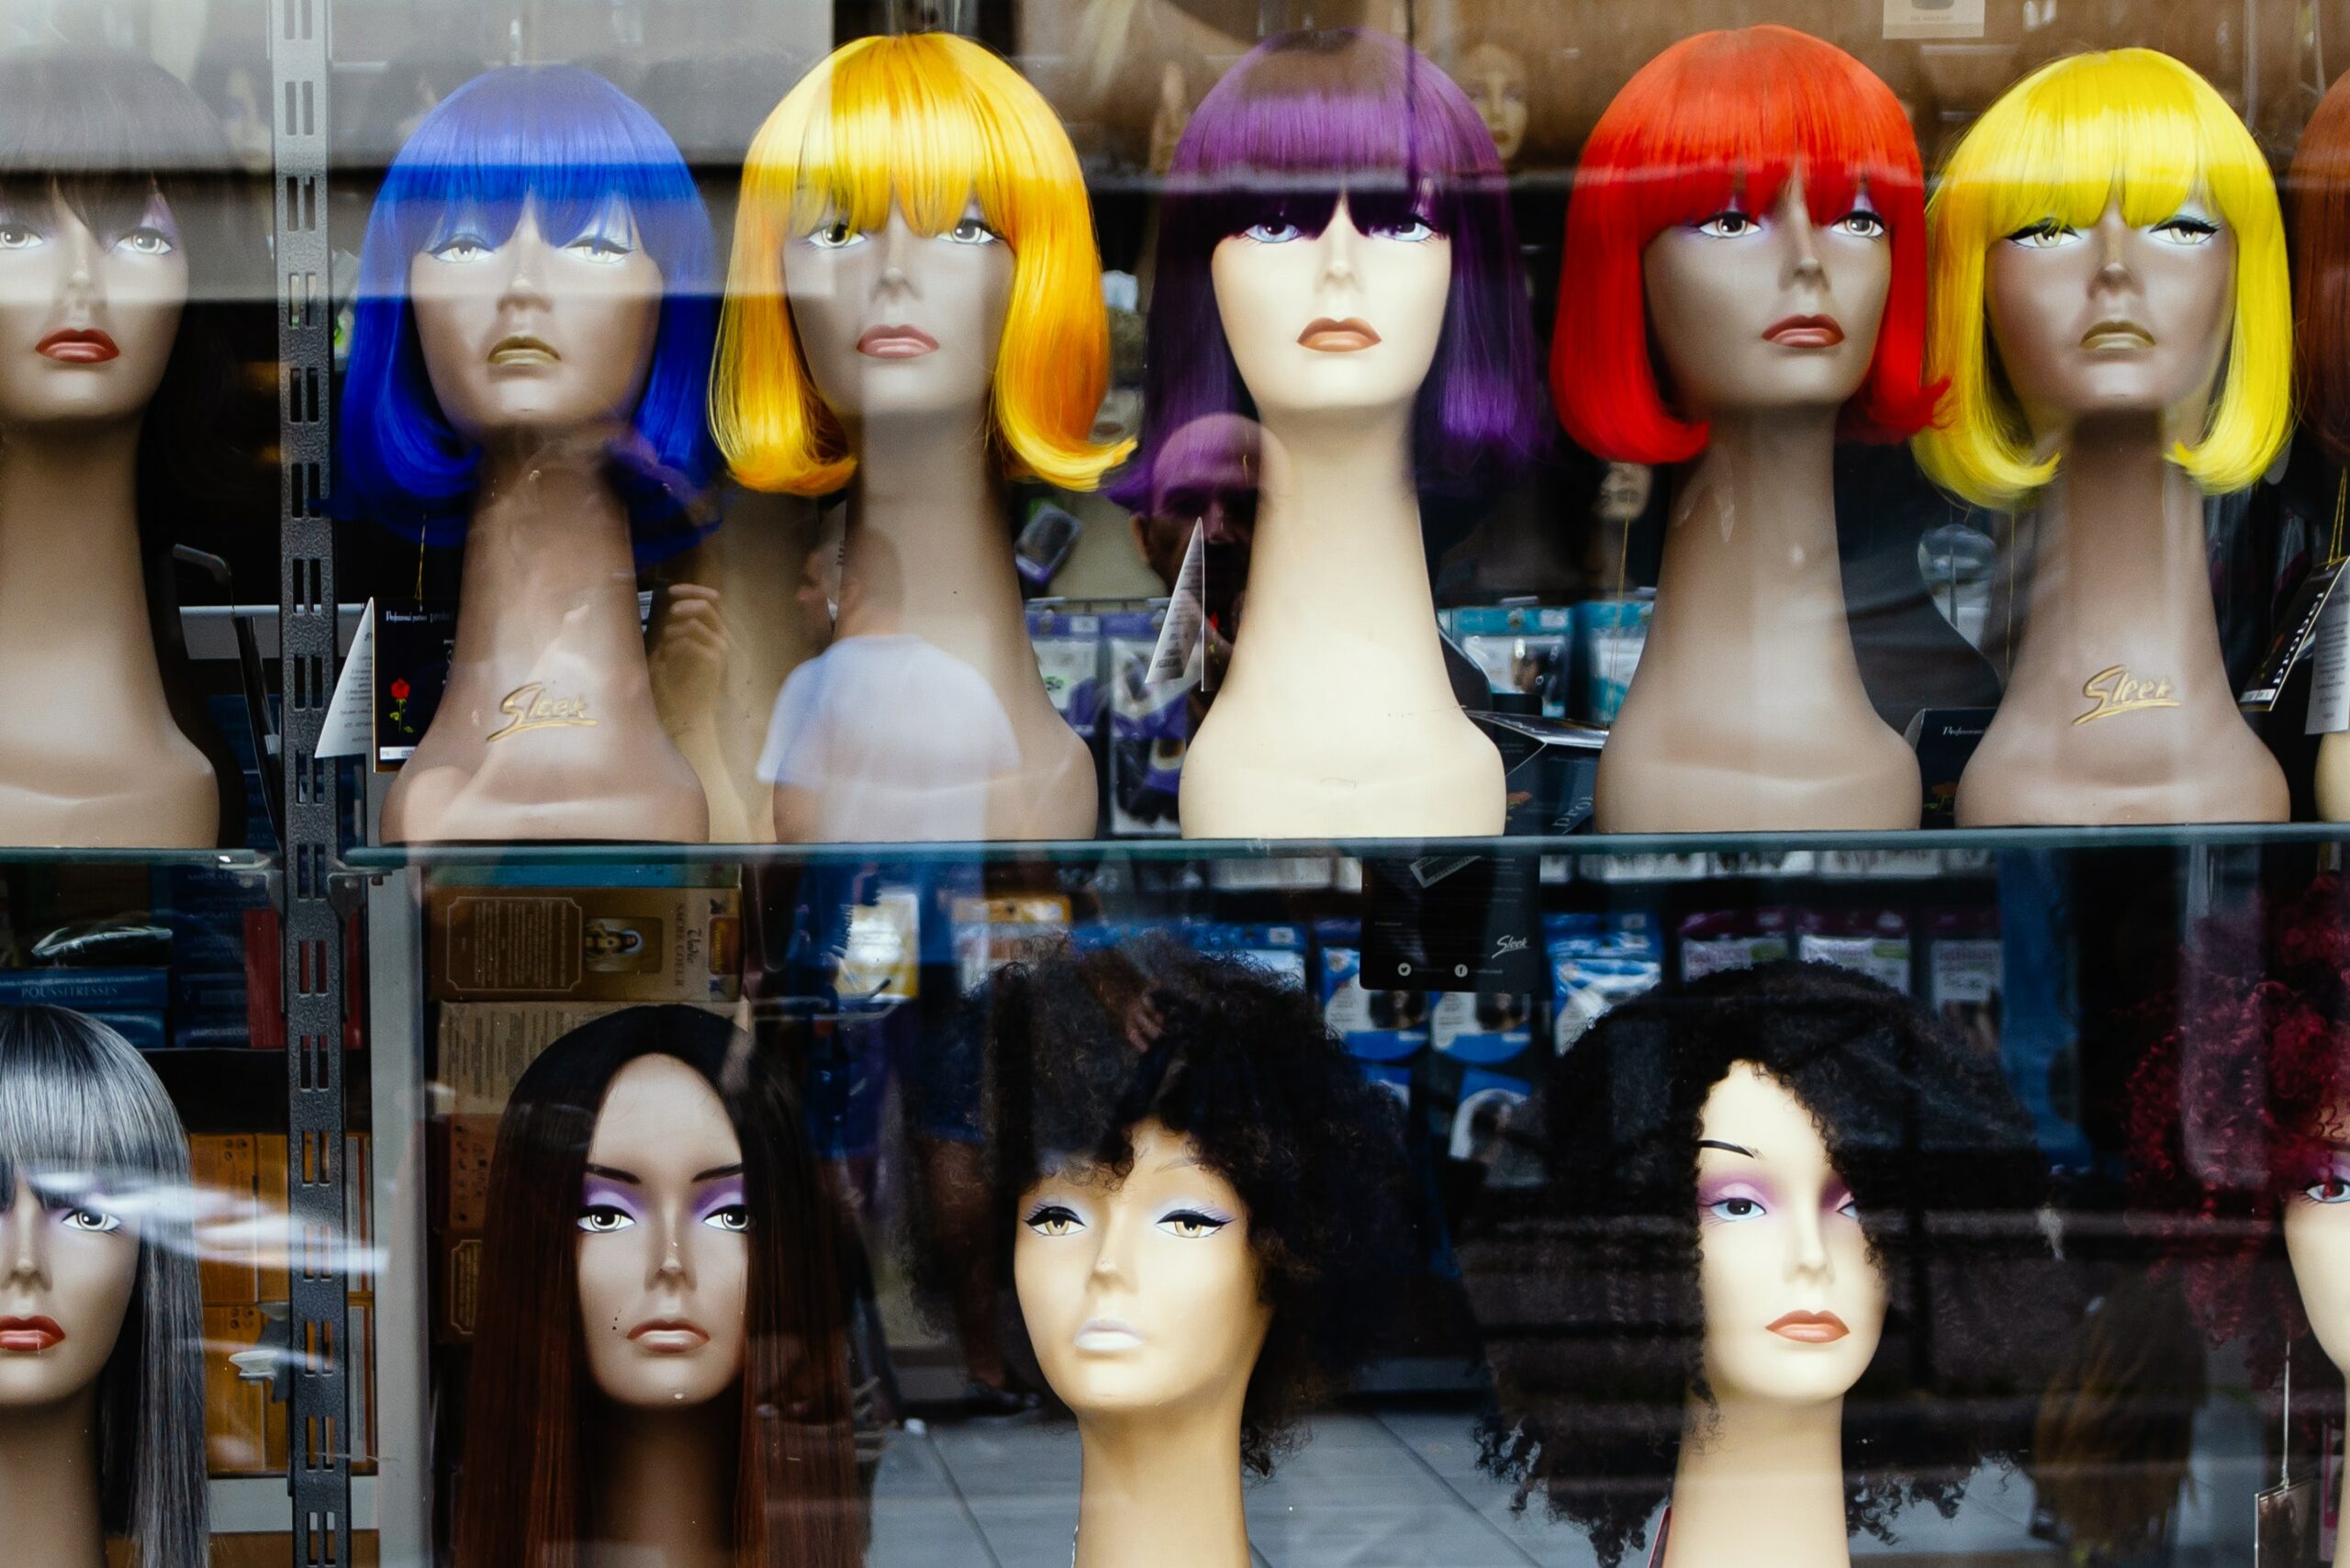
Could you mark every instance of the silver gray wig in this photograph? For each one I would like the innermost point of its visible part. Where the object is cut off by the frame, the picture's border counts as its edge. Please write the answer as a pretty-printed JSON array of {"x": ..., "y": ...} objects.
[{"x": 83, "y": 1118}]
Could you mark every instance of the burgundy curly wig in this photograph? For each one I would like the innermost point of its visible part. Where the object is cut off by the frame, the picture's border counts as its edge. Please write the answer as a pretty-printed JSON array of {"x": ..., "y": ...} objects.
[{"x": 2229, "y": 1110}]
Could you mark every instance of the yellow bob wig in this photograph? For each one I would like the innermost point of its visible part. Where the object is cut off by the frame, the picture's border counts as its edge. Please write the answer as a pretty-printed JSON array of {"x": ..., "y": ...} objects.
[
  {"x": 2062, "y": 145},
  {"x": 931, "y": 120}
]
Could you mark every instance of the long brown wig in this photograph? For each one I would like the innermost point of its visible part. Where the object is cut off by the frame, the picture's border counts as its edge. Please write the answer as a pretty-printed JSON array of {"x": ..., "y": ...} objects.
[
  {"x": 2317, "y": 212},
  {"x": 520, "y": 1495}
]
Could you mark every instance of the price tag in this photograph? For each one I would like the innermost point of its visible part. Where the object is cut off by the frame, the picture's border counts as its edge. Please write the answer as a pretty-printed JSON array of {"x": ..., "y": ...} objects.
[
  {"x": 349, "y": 729},
  {"x": 1181, "y": 656},
  {"x": 2329, "y": 670},
  {"x": 1933, "y": 18}
]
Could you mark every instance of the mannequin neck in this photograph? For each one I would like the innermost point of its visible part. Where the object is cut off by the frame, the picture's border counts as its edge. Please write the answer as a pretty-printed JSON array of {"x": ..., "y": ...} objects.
[
  {"x": 48, "y": 1484},
  {"x": 1749, "y": 554},
  {"x": 2119, "y": 563},
  {"x": 928, "y": 550},
  {"x": 1162, "y": 1486},
  {"x": 548, "y": 542},
  {"x": 1760, "y": 1485},
  {"x": 1337, "y": 567},
  {"x": 71, "y": 573},
  {"x": 661, "y": 1488}
]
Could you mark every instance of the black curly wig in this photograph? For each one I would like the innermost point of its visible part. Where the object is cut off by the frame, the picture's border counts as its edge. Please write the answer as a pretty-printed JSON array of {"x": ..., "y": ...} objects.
[
  {"x": 1083, "y": 1047},
  {"x": 1587, "y": 1288}
]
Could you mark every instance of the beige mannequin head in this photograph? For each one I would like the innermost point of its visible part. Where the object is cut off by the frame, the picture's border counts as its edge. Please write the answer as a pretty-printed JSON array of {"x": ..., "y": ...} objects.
[
  {"x": 663, "y": 1243},
  {"x": 67, "y": 1274},
  {"x": 1495, "y": 79},
  {"x": 1141, "y": 1295},
  {"x": 1755, "y": 311},
  {"x": 89, "y": 309},
  {"x": 536, "y": 334},
  {"x": 2317, "y": 1242},
  {"x": 1342, "y": 321},
  {"x": 1793, "y": 1304},
  {"x": 897, "y": 324},
  {"x": 2114, "y": 318}
]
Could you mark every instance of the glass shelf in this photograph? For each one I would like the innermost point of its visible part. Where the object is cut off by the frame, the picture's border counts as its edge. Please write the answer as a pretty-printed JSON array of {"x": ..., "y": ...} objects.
[
  {"x": 393, "y": 858},
  {"x": 252, "y": 860}
]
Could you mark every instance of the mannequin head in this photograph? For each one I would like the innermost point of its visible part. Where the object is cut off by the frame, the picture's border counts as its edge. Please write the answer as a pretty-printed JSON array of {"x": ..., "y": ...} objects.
[
  {"x": 1196, "y": 1190},
  {"x": 1759, "y": 180},
  {"x": 1693, "y": 1282},
  {"x": 1338, "y": 178},
  {"x": 1493, "y": 75},
  {"x": 122, "y": 225},
  {"x": 2237, "y": 1124},
  {"x": 2107, "y": 242},
  {"x": 2318, "y": 191},
  {"x": 538, "y": 268},
  {"x": 920, "y": 182},
  {"x": 94, "y": 1239},
  {"x": 658, "y": 1242}
]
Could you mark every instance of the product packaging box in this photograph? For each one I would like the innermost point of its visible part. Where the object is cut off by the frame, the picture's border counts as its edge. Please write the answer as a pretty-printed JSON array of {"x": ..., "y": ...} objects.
[
  {"x": 1735, "y": 939},
  {"x": 1524, "y": 650},
  {"x": 583, "y": 944},
  {"x": 1611, "y": 635},
  {"x": 132, "y": 1001},
  {"x": 1388, "y": 1027},
  {"x": 1069, "y": 656},
  {"x": 1874, "y": 942},
  {"x": 1595, "y": 962},
  {"x": 1149, "y": 728}
]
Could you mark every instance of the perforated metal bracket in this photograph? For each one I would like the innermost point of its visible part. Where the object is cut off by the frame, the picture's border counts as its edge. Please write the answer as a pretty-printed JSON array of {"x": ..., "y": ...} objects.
[{"x": 318, "y": 1471}]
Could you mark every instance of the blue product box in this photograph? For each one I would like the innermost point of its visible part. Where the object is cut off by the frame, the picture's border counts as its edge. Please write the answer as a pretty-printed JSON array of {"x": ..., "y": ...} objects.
[{"x": 1376, "y": 1026}]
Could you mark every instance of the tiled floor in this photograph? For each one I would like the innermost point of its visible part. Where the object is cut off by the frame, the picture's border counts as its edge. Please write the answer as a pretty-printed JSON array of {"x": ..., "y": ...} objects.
[{"x": 1396, "y": 1490}]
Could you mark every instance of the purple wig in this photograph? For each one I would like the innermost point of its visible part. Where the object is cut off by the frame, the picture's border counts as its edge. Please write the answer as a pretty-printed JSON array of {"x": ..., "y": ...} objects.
[{"x": 1302, "y": 120}]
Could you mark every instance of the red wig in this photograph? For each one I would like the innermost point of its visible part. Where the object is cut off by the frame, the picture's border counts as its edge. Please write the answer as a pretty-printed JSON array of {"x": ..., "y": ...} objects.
[
  {"x": 1717, "y": 118},
  {"x": 2228, "y": 1111}
]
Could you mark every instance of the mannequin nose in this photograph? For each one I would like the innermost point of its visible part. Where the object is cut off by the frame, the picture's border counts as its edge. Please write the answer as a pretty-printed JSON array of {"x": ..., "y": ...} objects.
[
  {"x": 1808, "y": 1245},
  {"x": 896, "y": 241},
  {"x": 525, "y": 266},
  {"x": 672, "y": 1263},
  {"x": 1338, "y": 242},
  {"x": 24, "y": 1257},
  {"x": 1110, "y": 1260}
]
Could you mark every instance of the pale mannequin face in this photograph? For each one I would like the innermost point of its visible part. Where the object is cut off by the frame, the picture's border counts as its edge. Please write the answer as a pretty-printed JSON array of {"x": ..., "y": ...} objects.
[
  {"x": 533, "y": 334},
  {"x": 1793, "y": 1304},
  {"x": 1332, "y": 322},
  {"x": 663, "y": 1240},
  {"x": 2113, "y": 319},
  {"x": 67, "y": 1274},
  {"x": 1756, "y": 311},
  {"x": 1141, "y": 1297},
  {"x": 2317, "y": 1244},
  {"x": 87, "y": 319},
  {"x": 893, "y": 323},
  {"x": 1495, "y": 80}
]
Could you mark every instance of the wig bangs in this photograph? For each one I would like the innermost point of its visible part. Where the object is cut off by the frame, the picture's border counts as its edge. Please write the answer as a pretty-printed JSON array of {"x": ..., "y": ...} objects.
[
  {"x": 583, "y": 157},
  {"x": 2139, "y": 129},
  {"x": 80, "y": 1120}
]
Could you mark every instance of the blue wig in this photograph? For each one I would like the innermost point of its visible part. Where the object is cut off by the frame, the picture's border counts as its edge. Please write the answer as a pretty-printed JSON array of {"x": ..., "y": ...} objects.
[{"x": 576, "y": 144}]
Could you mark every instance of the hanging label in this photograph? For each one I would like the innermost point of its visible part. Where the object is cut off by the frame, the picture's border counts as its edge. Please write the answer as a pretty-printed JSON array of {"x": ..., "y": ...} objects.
[
  {"x": 1181, "y": 657},
  {"x": 2295, "y": 628},
  {"x": 350, "y": 726},
  {"x": 1933, "y": 18},
  {"x": 2329, "y": 670}
]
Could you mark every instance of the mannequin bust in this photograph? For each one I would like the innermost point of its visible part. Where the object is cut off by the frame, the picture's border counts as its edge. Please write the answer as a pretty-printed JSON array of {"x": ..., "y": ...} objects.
[
  {"x": 2318, "y": 191},
  {"x": 2239, "y": 1113},
  {"x": 101, "y": 1332},
  {"x": 2110, "y": 366},
  {"x": 119, "y": 241},
  {"x": 658, "y": 1225},
  {"x": 1379, "y": 335},
  {"x": 1192, "y": 1280},
  {"x": 1773, "y": 1136},
  {"x": 1739, "y": 317},
  {"x": 532, "y": 336},
  {"x": 940, "y": 330}
]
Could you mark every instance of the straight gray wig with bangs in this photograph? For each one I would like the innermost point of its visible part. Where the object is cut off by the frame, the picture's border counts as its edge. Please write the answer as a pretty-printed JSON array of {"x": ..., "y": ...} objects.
[{"x": 85, "y": 1120}]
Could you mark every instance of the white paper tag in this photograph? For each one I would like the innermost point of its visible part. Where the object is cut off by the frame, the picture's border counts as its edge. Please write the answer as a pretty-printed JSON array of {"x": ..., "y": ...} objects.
[
  {"x": 2330, "y": 669},
  {"x": 1181, "y": 655},
  {"x": 1933, "y": 18},
  {"x": 349, "y": 727}
]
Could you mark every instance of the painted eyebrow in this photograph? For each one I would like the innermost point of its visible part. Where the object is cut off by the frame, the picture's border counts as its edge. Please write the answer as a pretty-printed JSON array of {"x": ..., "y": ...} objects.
[
  {"x": 1728, "y": 1148},
  {"x": 610, "y": 1175},
  {"x": 715, "y": 1172}
]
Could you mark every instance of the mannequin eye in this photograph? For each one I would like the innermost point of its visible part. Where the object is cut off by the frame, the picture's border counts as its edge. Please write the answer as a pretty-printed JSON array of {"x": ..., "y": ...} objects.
[
  {"x": 1411, "y": 232},
  {"x": 1193, "y": 1223},
  {"x": 146, "y": 241},
  {"x": 2334, "y": 1188},
  {"x": 1730, "y": 225},
  {"x": 2047, "y": 235},
  {"x": 1734, "y": 1209},
  {"x": 18, "y": 236},
  {"x": 2186, "y": 231},
  {"x": 1862, "y": 222},
  {"x": 96, "y": 1221},
  {"x": 601, "y": 249},
  {"x": 461, "y": 248},
  {"x": 603, "y": 1219},
  {"x": 971, "y": 232},
  {"x": 736, "y": 1218},
  {"x": 1275, "y": 232},
  {"x": 834, "y": 236},
  {"x": 1055, "y": 1219}
]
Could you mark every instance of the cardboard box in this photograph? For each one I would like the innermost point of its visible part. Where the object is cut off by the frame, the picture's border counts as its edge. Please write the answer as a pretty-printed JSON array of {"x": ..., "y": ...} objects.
[{"x": 583, "y": 944}]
